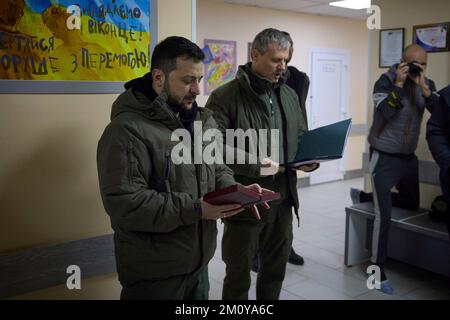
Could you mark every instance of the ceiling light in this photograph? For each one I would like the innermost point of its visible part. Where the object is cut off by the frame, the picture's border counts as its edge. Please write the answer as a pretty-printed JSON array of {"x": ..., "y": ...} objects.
[{"x": 352, "y": 4}]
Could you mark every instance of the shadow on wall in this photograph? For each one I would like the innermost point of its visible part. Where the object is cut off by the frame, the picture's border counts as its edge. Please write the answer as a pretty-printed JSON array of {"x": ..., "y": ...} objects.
[{"x": 51, "y": 195}]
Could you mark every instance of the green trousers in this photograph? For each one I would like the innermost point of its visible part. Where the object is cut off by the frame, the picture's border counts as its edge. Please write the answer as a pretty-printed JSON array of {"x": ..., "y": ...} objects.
[
  {"x": 193, "y": 286},
  {"x": 271, "y": 238}
]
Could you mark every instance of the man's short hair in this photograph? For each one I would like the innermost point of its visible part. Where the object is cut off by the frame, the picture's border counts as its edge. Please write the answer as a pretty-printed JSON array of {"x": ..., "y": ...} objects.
[
  {"x": 291, "y": 51},
  {"x": 289, "y": 38},
  {"x": 270, "y": 36},
  {"x": 410, "y": 48},
  {"x": 166, "y": 52}
]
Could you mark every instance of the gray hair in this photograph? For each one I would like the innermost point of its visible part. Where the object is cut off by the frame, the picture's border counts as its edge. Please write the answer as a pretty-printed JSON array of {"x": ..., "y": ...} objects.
[{"x": 268, "y": 37}]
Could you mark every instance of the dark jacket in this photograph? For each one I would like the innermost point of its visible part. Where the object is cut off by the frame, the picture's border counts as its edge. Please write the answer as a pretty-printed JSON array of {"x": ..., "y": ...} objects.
[
  {"x": 396, "y": 121},
  {"x": 153, "y": 203},
  {"x": 438, "y": 137},
  {"x": 299, "y": 82},
  {"x": 236, "y": 105}
]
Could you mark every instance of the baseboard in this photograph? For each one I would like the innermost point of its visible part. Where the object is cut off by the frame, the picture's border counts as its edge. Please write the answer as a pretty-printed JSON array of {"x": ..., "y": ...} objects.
[
  {"x": 353, "y": 174},
  {"x": 348, "y": 175},
  {"x": 303, "y": 182},
  {"x": 38, "y": 268}
]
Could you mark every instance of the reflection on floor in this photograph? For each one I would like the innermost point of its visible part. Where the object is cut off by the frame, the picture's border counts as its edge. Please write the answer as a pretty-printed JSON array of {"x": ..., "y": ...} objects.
[{"x": 320, "y": 240}]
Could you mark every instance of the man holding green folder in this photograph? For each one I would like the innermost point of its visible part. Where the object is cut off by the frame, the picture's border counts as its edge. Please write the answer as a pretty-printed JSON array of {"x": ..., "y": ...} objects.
[
  {"x": 299, "y": 82},
  {"x": 259, "y": 99}
]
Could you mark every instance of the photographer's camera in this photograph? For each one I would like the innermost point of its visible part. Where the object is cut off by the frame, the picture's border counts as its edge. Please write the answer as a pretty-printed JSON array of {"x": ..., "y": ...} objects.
[{"x": 414, "y": 70}]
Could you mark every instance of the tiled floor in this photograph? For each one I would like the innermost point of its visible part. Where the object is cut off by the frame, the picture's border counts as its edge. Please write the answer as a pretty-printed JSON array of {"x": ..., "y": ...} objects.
[{"x": 320, "y": 240}]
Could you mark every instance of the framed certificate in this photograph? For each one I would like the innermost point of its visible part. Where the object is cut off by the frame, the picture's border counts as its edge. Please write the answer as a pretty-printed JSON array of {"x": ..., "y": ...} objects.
[
  {"x": 392, "y": 42},
  {"x": 432, "y": 37}
]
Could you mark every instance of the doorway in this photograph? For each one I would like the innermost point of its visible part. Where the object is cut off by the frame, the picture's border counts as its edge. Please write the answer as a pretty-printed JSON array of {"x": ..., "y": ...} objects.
[{"x": 328, "y": 101}]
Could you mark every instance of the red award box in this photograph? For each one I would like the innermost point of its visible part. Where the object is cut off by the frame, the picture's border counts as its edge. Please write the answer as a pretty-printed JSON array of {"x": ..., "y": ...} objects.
[{"x": 239, "y": 194}]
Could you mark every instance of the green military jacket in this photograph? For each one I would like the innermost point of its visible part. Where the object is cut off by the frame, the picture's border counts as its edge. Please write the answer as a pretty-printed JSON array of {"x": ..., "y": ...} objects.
[
  {"x": 236, "y": 105},
  {"x": 153, "y": 203}
]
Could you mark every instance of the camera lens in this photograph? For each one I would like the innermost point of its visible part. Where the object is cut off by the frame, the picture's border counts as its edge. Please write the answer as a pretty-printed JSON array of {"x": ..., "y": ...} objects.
[{"x": 414, "y": 70}]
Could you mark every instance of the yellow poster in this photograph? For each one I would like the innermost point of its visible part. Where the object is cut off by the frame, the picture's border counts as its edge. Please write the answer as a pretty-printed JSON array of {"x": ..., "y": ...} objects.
[{"x": 84, "y": 40}]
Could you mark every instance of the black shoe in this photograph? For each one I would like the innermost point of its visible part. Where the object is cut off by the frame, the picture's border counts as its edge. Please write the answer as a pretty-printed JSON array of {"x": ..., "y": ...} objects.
[
  {"x": 255, "y": 264},
  {"x": 295, "y": 258}
]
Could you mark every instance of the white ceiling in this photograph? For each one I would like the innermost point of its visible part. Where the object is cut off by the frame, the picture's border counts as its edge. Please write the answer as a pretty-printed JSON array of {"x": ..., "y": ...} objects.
[{"x": 319, "y": 7}]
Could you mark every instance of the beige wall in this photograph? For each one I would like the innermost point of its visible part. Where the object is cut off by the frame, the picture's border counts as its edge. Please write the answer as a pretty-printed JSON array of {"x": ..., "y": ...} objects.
[
  {"x": 406, "y": 14},
  {"x": 355, "y": 149},
  {"x": 174, "y": 18},
  {"x": 241, "y": 23},
  {"x": 48, "y": 176}
]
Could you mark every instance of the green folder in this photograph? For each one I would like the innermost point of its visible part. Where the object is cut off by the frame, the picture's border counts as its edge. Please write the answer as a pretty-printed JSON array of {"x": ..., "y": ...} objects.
[{"x": 322, "y": 144}]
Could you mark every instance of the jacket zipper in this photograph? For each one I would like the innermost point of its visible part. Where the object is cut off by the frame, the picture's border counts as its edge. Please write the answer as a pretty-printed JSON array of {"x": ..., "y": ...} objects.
[
  {"x": 407, "y": 127},
  {"x": 271, "y": 114}
]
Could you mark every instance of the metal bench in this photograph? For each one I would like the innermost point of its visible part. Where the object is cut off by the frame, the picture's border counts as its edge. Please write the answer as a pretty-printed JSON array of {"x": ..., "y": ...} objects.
[{"x": 413, "y": 238}]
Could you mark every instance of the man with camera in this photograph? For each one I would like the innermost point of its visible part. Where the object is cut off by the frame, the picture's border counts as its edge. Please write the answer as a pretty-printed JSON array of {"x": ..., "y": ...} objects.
[{"x": 400, "y": 97}]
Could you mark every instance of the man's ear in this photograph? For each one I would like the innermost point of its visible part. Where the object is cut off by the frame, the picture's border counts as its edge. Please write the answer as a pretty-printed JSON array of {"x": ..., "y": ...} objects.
[
  {"x": 158, "y": 78},
  {"x": 255, "y": 54}
]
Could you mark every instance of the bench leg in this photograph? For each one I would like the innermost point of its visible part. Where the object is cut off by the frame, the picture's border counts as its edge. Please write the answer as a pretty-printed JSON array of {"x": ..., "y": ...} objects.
[{"x": 355, "y": 240}]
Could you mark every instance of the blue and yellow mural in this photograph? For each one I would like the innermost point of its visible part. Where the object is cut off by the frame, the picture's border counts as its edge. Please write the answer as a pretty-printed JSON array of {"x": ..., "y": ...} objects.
[{"x": 38, "y": 41}]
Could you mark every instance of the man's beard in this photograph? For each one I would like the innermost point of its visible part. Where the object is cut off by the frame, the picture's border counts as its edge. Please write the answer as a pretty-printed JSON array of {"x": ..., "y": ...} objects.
[{"x": 173, "y": 102}]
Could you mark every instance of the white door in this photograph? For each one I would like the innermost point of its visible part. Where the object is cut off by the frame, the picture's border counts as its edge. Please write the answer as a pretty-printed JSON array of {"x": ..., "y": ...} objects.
[{"x": 328, "y": 101}]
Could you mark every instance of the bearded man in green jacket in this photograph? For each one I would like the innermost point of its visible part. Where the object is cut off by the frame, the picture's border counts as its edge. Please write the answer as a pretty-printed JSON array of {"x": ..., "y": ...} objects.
[
  {"x": 164, "y": 233},
  {"x": 259, "y": 99}
]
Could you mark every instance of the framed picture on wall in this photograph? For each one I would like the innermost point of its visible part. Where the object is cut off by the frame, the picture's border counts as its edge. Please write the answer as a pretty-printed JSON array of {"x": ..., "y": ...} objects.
[
  {"x": 392, "y": 42},
  {"x": 222, "y": 67},
  {"x": 432, "y": 37}
]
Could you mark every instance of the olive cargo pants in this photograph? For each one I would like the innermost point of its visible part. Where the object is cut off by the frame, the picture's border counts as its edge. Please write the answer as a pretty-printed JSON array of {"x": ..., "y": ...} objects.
[{"x": 271, "y": 239}]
